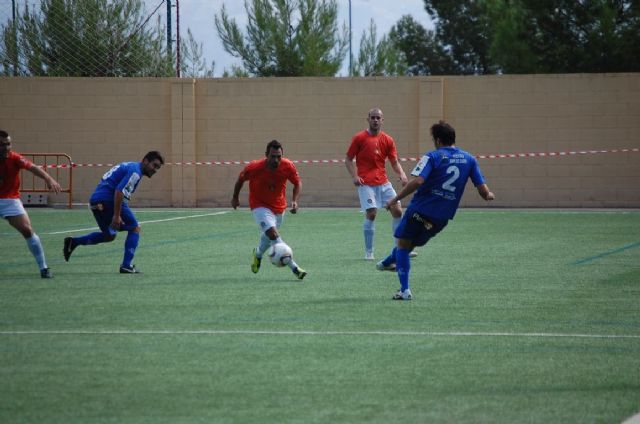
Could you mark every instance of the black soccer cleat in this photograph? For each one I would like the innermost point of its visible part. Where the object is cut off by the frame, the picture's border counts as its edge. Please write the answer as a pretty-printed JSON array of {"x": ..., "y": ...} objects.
[
  {"x": 69, "y": 247},
  {"x": 129, "y": 270},
  {"x": 46, "y": 273}
]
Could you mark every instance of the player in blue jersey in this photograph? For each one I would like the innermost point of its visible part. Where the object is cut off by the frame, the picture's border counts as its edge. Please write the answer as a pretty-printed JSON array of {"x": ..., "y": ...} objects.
[
  {"x": 110, "y": 206},
  {"x": 439, "y": 181}
]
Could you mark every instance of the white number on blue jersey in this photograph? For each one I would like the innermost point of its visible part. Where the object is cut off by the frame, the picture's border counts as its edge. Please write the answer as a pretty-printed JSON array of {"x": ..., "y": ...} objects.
[
  {"x": 448, "y": 185},
  {"x": 110, "y": 172},
  {"x": 420, "y": 166}
]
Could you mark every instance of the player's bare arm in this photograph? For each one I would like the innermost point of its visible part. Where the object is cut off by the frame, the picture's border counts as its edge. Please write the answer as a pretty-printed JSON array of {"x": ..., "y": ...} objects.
[
  {"x": 295, "y": 197},
  {"x": 235, "y": 201},
  {"x": 411, "y": 186},
  {"x": 485, "y": 193},
  {"x": 52, "y": 184},
  {"x": 116, "y": 221},
  {"x": 351, "y": 167},
  {"x": 397, "y": 168}
]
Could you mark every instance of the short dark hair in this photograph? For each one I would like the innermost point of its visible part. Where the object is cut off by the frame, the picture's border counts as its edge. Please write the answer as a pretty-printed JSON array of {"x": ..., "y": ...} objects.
[
  {"x": 273, "y": 144},
  {"x": 443, "y": 132},
  {"x": 4, "y": 134},
  {"x": 153, "y": 155}
]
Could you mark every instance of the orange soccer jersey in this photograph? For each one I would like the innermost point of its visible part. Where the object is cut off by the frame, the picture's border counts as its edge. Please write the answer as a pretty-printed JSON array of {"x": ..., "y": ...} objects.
[
  {"x": 10, "y": 175},
  {"x": 268, "y": 187},
  {"x": 370, "y": 152}
]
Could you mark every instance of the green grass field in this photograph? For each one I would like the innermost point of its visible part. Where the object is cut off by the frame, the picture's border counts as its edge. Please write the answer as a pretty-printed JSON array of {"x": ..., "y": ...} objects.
[{"x": 518, "y": 316}]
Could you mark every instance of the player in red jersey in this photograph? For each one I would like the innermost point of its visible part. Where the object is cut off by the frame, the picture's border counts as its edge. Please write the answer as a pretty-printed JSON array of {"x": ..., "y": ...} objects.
[
  {"x": 11, "y": 207},
  {"x": 267, "y": 198},
  {"x": 371, "y": 148}
]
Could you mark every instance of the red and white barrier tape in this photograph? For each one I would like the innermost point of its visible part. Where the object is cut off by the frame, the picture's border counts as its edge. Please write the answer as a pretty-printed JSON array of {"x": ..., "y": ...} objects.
[{"x": 323, "y": 161}]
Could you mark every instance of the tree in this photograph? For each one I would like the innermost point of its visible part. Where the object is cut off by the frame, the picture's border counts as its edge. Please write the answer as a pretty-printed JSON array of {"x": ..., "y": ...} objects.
[
  {"x": 286, "y": 37},
  {"x": 378, "y": 58},
  {"x": 463, "y": 31},
  {"x": 85, "y": 38},
  {"x": 423, "y": 53},
  {"x": 565, "y": 36},
  {"x": 192, "y": 63}
]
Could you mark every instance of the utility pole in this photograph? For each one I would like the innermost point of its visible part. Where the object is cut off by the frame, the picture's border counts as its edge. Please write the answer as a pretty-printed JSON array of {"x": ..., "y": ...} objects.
[
  {"x": 350, "y": 54},
  {"x": 169, "y": 35},
  {"x": 178, "y": 64},
  {"x": 14, "y": 27}
]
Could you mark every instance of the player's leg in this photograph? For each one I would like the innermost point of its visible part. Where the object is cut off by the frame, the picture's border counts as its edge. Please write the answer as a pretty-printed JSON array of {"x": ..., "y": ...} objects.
[
  {"x": 403, "y": 268},
  {"x": 368, "y": 204},
  {"x": 131, "y": 226},
  {"x": 395, "y": 210},
  {"x": 103, "y": 214},
  {"x": 22, "y": 223},
  {"x": 269, "y": 224}
]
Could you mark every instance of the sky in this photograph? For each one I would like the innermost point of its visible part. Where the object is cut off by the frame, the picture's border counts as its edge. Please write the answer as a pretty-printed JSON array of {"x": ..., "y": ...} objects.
[{"x": 198, "y": 15}]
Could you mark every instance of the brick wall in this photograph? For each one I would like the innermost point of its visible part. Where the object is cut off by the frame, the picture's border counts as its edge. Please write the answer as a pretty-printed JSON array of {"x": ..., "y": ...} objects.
[{"x": 111, "y": 120}]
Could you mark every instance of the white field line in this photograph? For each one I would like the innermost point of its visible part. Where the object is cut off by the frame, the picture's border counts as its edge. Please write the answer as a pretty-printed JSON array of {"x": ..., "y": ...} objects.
[
  {"x": 319, "y": 333},
  {"x": 143, "y": 222}
]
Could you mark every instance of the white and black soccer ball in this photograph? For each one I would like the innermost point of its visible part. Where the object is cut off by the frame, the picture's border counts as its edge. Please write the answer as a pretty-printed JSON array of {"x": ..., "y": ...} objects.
[{"x": 280, "y": 254}]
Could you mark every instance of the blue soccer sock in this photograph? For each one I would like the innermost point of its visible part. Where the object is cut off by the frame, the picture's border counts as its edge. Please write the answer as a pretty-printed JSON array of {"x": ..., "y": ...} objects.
[
  {"x": 92, "y": 238},
  {"x": 265, "y": 242},
  {"x": 130, "y": 246},
  {"x": 369, "y": 229},
  {"x": 391, "y": 259},
  {"x": 36, "y": 250},
  {"x": 403, "y": 267}
]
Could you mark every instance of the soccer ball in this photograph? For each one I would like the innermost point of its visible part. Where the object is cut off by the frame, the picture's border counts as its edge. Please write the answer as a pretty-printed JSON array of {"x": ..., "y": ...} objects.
[{"x": 280, "y": 254}]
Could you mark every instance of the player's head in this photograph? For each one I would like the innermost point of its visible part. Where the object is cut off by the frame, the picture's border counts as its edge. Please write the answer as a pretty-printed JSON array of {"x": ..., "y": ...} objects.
[
  {"x": 274, "y": 154},
  {"x": 443, "y": 134},
  {"x": 5, "y": 144},
  {"x": 375, "y": 119},
  {"x": 151, "y": 163}
]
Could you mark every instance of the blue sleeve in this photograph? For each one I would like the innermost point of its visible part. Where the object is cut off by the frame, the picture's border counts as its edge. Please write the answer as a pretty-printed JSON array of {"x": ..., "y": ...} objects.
[{"x": 476, "y": 175}]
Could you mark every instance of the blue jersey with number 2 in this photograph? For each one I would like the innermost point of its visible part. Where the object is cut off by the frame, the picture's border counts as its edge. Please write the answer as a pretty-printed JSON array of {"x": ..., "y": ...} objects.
[
  {"x": 123, "y": 177},
  {"x": 445, "y": 172}
]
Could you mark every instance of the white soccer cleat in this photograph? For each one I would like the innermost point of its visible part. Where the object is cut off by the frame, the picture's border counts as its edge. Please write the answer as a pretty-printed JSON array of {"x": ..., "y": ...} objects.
[
  {"x": 382, "y": 267},
  {"x": 368, "y": 256},
  {"x": 413, "y": 254},
  {"x": 402, "y": 295}
]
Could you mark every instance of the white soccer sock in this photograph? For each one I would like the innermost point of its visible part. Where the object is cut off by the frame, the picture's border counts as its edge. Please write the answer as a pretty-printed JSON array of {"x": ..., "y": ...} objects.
[
  {"x": 369, "y": 229},
  {"x": 37, "y": 251}
]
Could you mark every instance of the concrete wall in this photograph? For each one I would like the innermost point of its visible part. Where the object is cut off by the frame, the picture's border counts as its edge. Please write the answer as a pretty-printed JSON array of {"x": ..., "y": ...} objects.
[{"x": 111, "y": 120}]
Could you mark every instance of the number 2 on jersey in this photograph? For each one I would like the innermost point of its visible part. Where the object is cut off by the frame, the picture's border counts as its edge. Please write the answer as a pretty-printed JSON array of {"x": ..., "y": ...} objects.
[{"x": 448, "y": 185}]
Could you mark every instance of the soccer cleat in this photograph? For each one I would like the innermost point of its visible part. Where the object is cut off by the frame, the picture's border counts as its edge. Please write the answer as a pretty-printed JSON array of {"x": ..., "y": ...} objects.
[
  {"x": 413, "y": 254},
  {"x": 402, "y": 295},
  {"x": 368, "y": 256},
  {"x": 300, "y": 273},
  {"x": 255, "y": 265},
  {"x": 69, "y": 246},
  {"x": 382, "y": 267},
  {"x": 129, "y": 270},
  {"x": 46, "y": 273}
]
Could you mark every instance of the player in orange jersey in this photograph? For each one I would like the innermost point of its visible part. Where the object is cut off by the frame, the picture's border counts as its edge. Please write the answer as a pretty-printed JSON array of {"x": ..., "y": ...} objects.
[
  {"x": 11, "y": 207},
  {"x": 371, "y": 148},
  {"x": 267, "y": 189}
]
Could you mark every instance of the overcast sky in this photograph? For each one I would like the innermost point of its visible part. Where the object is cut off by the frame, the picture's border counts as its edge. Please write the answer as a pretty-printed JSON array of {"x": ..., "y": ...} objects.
[{"x": 198, "y": 15}]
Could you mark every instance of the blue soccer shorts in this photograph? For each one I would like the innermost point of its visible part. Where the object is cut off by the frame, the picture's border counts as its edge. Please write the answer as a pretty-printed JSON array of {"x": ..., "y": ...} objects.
[
  {"x": 103, "y": 213},
  {"x": 418, "y": 228}
]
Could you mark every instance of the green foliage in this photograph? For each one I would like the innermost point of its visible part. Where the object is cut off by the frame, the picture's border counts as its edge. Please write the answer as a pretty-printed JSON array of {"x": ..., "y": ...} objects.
[
  {"x": 421, "y": 49},
  {"x": 381, "y": 58},
  {"x": 87, "y": 38},
  {"x": 464, "y": 32},
  {"x": 193, "y": 65},
  {"x": 286, "y": 38}
]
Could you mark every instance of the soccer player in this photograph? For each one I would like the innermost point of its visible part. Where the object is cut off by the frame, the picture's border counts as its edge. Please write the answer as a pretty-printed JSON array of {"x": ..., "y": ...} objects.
[
  {"x": 11, "y": 207},
  {"x": 371, "y": 148},
  {"x": 439, "y": 181},
  {"x": 110, "y": 206},
  {"x": 267, "y": 199}
]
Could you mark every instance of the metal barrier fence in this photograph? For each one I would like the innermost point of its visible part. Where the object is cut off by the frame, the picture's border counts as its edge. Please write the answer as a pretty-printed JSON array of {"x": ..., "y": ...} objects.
[{"x": 58, "y": 165}]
